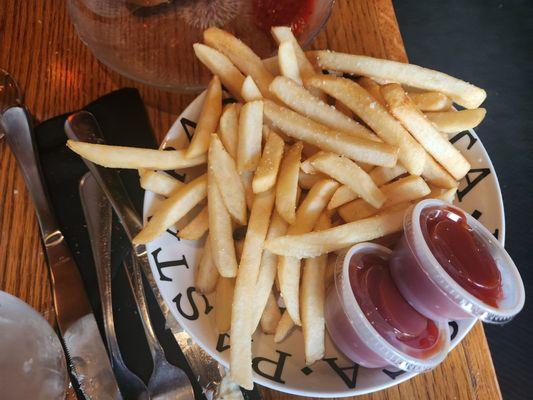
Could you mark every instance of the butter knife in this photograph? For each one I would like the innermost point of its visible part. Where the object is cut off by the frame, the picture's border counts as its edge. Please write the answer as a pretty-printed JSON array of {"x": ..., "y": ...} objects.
[{"x": 84, "y": 346}]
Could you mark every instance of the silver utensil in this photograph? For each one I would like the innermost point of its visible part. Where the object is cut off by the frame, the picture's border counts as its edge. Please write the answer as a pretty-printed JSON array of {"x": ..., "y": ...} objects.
[
  {"x": 83, "y": 126},
  {"x": 98, "y": 216},
  {"x": 83, "y": 344}
]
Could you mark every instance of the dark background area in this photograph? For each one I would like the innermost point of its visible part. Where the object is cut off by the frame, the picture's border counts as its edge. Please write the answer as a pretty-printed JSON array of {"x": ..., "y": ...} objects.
[{"x": 490, "y": 43}]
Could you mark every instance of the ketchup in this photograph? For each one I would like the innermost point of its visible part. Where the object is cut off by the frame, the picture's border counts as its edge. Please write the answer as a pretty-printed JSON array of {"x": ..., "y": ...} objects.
[
  {"x": 463, "y": 255},
  {"x": 386, "y": 309},
  {"x": 293, "y": 13}
]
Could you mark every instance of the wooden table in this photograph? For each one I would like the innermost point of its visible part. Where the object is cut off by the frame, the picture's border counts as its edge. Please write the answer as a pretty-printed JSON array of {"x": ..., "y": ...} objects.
[{"x": 39, "y": 46}]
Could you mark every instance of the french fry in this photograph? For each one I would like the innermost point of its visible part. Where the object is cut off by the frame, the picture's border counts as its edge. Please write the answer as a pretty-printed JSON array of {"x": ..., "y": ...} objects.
[
  {"x": 208, "y": 120},
  {"x": 314, "y": 244},
  {"x": 307, "y": 165},
  {"x": 380, "y": 176},
  {"x": 288, "y": 63},
  {"x": 133, "y": 157},
  {"x": 309, "y": 150},
  {"x": 302, "y": 128},
  {"x": 250, "y": 135},
  {"x": 267, "y": 269},
  {"x": 271, "y": 64},
  {"x": 299, "y": 99},
  {"x": 220, "y": 230},
  {"x": 247, "y": 181},
  {"x": 410, "y": 154},
  {"x": 437, "y": 175},
  {"x": 267, "y": 170},
  {"x": 430, "y": 101},
  {"x": 241, "y": 55},
  {"x": 463, "y": 93},
  {"x": 339, "y": 105},
  {"x": 228, "y": 180},
  {"x": 405, "y": 189},
  {"x": 173, "y": 209},
  {"x": 447, "y": 195},
  {"x": 198, "y": 226},
  {"x": 372, "y": 87},
  {"x": 350, "y": 174},
  {"x": 159, "y": 182},
  {"x": 271, "y": 315},
  {"x": 206, "y": 273},
  {"x": 306, "y": 181},
  {"x": 250, "y": 91},
  {"x": 223, "y": 302},
  {"x": 414, "y": 120},
  {"x": 284, "y": 328},
  {"x": 306, "y": 218},
  {"x": 312, "y": 301},
  {"x": 228, "y": 128},
  {"x": 242, "y": 310},
  {"x": 287, "y": 184},
  {"x": 457, "y": 121},
  {"x": 221, "y": 66}
]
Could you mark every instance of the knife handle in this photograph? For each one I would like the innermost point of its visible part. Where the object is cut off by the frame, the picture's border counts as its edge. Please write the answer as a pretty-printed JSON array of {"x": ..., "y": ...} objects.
[{"x": 19, "y": 135}]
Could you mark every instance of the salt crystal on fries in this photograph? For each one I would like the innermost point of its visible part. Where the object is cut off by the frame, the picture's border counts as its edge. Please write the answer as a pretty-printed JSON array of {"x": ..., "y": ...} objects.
[
  {"x": 221, "y": 66},
  {"x": 403, "y": 108},
  {"x": 173, "y": 209},
  {"x": 463, "y": 93},
  {"x": 374, "y": 115},
  {"x": 305, "y": 129},
  {"x": 456, "y": 121},
  {"x": 208, "y": 120},
  {"x": 267, "y": 170},
  {"x": 134, "y": 158}
]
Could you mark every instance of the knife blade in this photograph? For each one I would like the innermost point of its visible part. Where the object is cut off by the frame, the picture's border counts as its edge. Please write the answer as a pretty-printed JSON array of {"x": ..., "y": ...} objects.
[{"x": 84, "y": 346}]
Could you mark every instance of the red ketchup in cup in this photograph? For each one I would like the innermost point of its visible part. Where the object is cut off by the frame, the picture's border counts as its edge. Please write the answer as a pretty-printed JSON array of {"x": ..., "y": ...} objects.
[
  {"x": 449, "y": 266},
  {"x": 370, "y": 321}
]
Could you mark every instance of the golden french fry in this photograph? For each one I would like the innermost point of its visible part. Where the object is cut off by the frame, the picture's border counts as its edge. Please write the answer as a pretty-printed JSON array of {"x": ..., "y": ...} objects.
[
  {"x": 284, "y": 328},
  {"x": 309, "y": 150},
  {"x": 405, "y": 189},
  {"x": 302, "y": 128},
  {"x": 267, "y": 170},
  {"x": 457, "y": 121},
  {"x": 288, "y": 63},
  {"x": 267, "y": 269},
  {"x": 307, "y": 165},
  {"x": 350, "y": 174},
  {"x": 198, "y": 226},
  {"x": 312, "y": 301},
  {"x": 314, "y": 244},
  {"x": 241, "y": 55},
  {"x": 250, "y": 91},
  {"x": 463, "y": 93},
  {"x": 228, "y": 180},
  {"x": 272, "y": 65},
  {"x": 437, "y": 175},
  {"x": 221, "y": 66},
  {"x": 414, "y": 120},
  {"x": 133, "y": 157},
  {"x": 247, "y": 181},
  {"x": 206, "y": 273},
  {"x": 159, "y": 182},
  {"x": 299, "y": 99},
  {"x": 220, "y": 230},
  {"x": 287, "y": 184},
  {"x": 228, "y": 128},
  {"x": 243, "y": 306},
  {"x": 271, "y": 315},
  {"x": 173, "y": 209},
  {"x": 447, "y": 195},
  {"x": 306, "y": 181},
  {"x": 223, "y": 302},
  {"x": 376, "y": 116},
  {"x": 380, "y": 176},
  {"x": 372, "y": 87},
  {"x": 208, "y": 120},
  {"x": 339, "y": 105},
  {"x": 306, "y": 217},
  {"x": 250, "y": 135},
  {"x": 430, "y": 101}
]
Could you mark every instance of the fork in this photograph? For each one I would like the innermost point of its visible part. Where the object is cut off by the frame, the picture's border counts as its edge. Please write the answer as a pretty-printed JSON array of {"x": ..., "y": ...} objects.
[{"x": 97, "y": 212}]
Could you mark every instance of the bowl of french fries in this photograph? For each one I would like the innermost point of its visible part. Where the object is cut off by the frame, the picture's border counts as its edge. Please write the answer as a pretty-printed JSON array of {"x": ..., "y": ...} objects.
[{"x": 279, "y": 166}]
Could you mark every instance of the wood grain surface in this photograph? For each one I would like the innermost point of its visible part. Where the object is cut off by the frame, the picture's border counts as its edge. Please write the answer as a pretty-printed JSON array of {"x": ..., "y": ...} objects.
[{"x": 39, "y": 46}]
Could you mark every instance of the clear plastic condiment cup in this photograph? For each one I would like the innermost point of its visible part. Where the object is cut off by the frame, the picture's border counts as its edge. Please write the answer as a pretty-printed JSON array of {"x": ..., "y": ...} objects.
[
  {"x": 355, "y": 335},
  {"x": 429, "y": 289}
]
